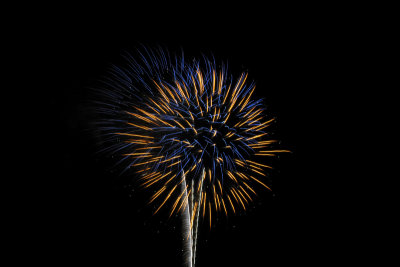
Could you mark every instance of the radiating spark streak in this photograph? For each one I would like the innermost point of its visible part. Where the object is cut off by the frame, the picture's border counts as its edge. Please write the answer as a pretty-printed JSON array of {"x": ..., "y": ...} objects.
[
  {"x": 140, "y": 117},
  {"x": 232, "y": 176},
  {"x": 235, "y": 194},
  {"x": 180, "y": 125},
  {"x": 157, "y": 194},
  {"x": 182, "y": 93},
  {"x": 200, "y": 81},
  {"x": 178, "y": 199},
  {"x": 158, "y": 179},
  {"x": 173, "y": 164},
  {"x": 158, "y": 106},
  {"x": 226, "y": 94},
  {"x": 220, "y": 82},
  {"x": 213, "y": 83},
  {"x": 161, "y": 92},
  {"x": 260, "y": 173},
  {"x": 256, "y": 136},
  {"x": 247, "y": 100},
  {"x": 165, "y": 200},
  {"x": 223, "y": 204},
  {"x": 260, "y": 126},
  {"x": 170, "y": 93},
  {"x": 185, "y": 201},
  {"x": 149, "y": 147},
  {"x": 147, "y": 162},
  {"x": 140, "y": 126},
  {"x": 273, "y": 151},
  {"x": 230, "y": 201},
  {"x": 209, "y": 209},
  {"x": 248, "y": 187},
  {"x": 170, "y": 159},
  {"x": 258, "y": 181},
  {"x": 135, "y": 135},
  {"x": 244, "y": 191},
  {"x": 204, "y": 203}
]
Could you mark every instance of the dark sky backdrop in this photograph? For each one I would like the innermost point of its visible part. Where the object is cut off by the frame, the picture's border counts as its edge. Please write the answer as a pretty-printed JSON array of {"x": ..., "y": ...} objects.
[{"x": 87, "y": 215}]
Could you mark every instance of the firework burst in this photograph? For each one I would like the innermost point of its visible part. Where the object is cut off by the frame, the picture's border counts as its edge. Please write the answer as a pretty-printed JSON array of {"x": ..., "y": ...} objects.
[{"x": 189, "y": 130}]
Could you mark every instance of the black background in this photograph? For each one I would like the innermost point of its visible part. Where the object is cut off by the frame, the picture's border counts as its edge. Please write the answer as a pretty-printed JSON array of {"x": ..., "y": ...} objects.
[{"x": 83, "y": 212}]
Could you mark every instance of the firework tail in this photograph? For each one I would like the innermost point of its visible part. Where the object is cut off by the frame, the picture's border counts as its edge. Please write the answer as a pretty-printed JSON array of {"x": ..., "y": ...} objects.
[
  {"x": 186, "y": 234},
  {"x": 196, "y": 221},
  {"x": 190, "y": 219}
]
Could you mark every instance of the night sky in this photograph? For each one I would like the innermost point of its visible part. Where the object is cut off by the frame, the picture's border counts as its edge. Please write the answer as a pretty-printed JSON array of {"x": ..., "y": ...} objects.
[{"x": 87, "y": 214}]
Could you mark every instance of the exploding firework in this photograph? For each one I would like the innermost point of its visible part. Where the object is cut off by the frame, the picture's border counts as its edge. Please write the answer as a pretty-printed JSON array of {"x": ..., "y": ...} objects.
[{"x": 190, "y": 131}]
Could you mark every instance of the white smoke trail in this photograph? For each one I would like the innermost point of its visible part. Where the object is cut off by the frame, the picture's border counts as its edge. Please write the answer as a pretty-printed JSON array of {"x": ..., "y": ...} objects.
[
  {"x": 196, "y": 224},
  {"x": 186, "y": 231},
  {"x": 190, "y": 232}
]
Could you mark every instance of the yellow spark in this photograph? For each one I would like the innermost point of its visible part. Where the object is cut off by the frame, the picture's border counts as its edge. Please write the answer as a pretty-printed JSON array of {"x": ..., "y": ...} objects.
[
  {"x": 226, "y": 94},
  {"x": 221, "y": 78},
  {"x": 200, "y": 81},
  {"x": 169, "y": 92},
  {"x": 180, "y": 90},
  {"x": 170, "y": 159},
  {"x": 169, "y": 194},
  {"x": 149, "y": 147},
  {"x": 204, "y": 203},
  {"x": 232, "y": 176},
  {"x": 259, "y": 164},
  {"x": 249, "y": 188},
  {"x": 260, "y": 126},
  {"x": 142, "y": 163},
  {"x": 255, "y": 167},
  {"x": 161, "y": 91},
  {"x": 209, "y": 206},
  {"x": 195, "y": 92},
  {"x": 273, "y": 151},
  {"x": 260, "y": 182},
  {"x": 235, "y": 194},
  {"x": 158, "y": 106},
  {"x": 174, "y": 164},
  {"x": 240, "y": 162},
  {"x": 218, "y": 203},
  {"x": 166, "y": 105},
  {"x": 239, "y": 86},
  {"x": 223, "y": 204},
  {"x": 135, "y": 135},
  {"x": 215, "y": 198},
  {"x": 230, "y": 201},
  {"x": 243, "y": 197},
  {"x": 177, "y": 200},
  {"x": 180, "y": 125},
  {"x": 157, "y": 194},
  {"x": 213, "y": 82},
  {"x": 247, "y": 100},
  {"x": 244, "y": 191},
  {"x": 215, "y": 111},
  {"x": 220, "y": 187},
  {"x": 141, "y": 117},
  {"x": 157, "y": 179},
  {"x": 185, "y": 201},
  {"x": 149, "y": 175},
  {"x": 193, "y": 213},
  {"x": 256, "y": 136},
  {"x": 140, "y": 126}
]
